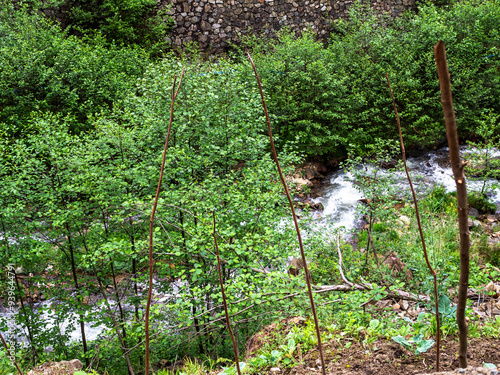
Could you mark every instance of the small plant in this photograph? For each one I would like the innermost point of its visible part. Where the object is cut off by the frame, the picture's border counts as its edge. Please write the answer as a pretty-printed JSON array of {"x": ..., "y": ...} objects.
[
  {"x": 416, "y": 344},
  {"x": 288, "y": 350},
  {"x": 232, "y": 370}
]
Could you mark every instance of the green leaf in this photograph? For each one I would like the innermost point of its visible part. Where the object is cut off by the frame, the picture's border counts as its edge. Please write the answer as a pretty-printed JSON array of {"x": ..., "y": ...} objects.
[
  {"x": 402, "y": 341},
  {"x": 423, "y": 346}
]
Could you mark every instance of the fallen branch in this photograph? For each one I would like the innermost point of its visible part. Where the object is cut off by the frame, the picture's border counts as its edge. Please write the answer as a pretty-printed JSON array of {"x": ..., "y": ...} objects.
[
  {"x": 397, "y": 293},
  {"x": 340, "y": 262}
]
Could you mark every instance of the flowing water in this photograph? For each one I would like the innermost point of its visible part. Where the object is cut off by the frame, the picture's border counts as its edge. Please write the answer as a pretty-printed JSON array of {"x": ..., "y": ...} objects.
[{"x": 340, "y": 197}]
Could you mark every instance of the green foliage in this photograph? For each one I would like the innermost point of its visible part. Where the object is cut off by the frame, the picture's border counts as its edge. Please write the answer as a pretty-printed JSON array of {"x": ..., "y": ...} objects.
[
  {"x": 232, "y": 370},
  {"x": 129, "y": 22},
  {"x": 480, "y": 202},
  {"x": 483, "y": 165},
  {"x": 335, "y": 99},
  {"x": 378, "y": 186},
  {"x": 416, "y": 343},
  {"x": 438, "y": 201},
  {"x": 44, "y": 70},
  {"x": 489, "y": 252},
  {"x": 6, "y": 367}
]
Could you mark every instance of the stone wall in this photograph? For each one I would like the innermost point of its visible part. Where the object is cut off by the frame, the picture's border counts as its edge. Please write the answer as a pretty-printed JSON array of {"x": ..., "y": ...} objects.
[{"x": 213, "y": 24}]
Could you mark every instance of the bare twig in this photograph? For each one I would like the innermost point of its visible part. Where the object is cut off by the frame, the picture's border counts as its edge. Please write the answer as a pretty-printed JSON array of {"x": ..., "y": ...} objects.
[
  {"x": 457, "y": 166},
  {"x": 221, "y": 282},
  {"x": 151, "y": 220},
  {"x": 287, "y": 192},
  {"x": 340, "y": 262},
  {"x": 11, "y": 357},
  {"x": 431, "y": 270}
]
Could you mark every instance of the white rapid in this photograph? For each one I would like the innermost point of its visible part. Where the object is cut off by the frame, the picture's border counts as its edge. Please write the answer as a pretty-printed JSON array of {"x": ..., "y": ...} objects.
[{"x": 340, "y": 197}]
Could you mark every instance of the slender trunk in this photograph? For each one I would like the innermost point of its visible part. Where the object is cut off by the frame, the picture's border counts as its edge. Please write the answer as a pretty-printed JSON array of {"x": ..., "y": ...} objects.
[
  {"x": 118, "y": 301},
  {"x": 28, "y": 324},
  {"x": 151, "y": 221},
  {"x": 294, "y": 216},
  {"x": 134, "y": 278},
  {"x": 181, "y": 220},
  {"x": 368, "y": 239},
  {"x": 111, "y": 315},
  {"x": 77, "y": 288},
  {"x": 117, "y": 328},
  {"x": 197, "y": 330},
  {"x": 228, "y": 322},
  {"x": 457, "y": 166},
  {"x": 414, "y": 195},
  {"x": 26, "y": 316}
]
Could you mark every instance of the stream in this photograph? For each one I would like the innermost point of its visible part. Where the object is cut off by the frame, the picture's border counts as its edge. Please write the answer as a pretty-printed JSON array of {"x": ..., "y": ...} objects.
[{"x": 339, "y": 197}]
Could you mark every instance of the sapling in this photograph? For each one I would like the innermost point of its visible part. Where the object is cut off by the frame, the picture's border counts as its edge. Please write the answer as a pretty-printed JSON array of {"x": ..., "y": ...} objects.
[
  {"x": 482, "y": 163},
  {"x": 458, "y": 172},
  {"x": 379, "y": 189}
]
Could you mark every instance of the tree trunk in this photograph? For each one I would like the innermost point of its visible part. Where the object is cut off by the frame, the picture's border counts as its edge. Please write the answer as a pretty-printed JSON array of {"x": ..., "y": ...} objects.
[{"x": 457, "y": 166}]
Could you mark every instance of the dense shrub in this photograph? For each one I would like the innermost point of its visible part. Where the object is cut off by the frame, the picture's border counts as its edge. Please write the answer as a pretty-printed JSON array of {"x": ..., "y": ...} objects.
[
  {"x": 131, "y": 22},
  {"x": 334, "y": 98},
  {"x": 45, "y": 70}
]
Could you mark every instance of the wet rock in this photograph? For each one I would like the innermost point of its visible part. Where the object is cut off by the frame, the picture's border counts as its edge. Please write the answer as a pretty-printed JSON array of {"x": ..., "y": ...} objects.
[
  {"x": 312, "y": 205},
  {"x": 391, "y": 164},
  {"x": 473, "y": 212}
]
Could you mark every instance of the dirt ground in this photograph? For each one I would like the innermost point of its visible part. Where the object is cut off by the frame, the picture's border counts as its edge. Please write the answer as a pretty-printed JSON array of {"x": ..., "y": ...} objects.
[
  {"x": 389, "y": 358},
  {"x": 382, "y": 357}
]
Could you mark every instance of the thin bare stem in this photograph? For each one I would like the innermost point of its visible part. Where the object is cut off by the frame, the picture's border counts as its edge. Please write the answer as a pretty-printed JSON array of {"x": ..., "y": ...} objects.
[
  {"x": 111, "y": 315},
  {"x": 10, "y": 355},
  {"x": 340, "y": 262},
  {"x": 431, "y": 270},
  {"x": 235, "y": 347},
  {"x": 287, "y": 192},
  {"x": 457, "y": 165},
  {"x": 151, "y": 220}
]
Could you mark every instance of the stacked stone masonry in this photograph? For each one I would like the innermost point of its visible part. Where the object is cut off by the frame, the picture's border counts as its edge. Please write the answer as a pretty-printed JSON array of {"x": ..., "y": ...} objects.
[{"x": 215, "y": 24}]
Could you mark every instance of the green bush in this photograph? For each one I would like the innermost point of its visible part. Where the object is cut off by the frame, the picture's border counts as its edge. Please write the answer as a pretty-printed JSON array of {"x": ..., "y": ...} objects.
[
  {"x": 333, "y": 99},
  {"x": 44, "y": 70},
  {"x": 129, "y": 22},
  {"x": 481, "y": 203},
  {"x": 490, "y": 253}
]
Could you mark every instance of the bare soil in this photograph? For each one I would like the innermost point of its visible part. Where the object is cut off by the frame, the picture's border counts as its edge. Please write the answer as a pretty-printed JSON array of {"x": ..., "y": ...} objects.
[
  {"x": 382, "y": 357},
  {"x": 388, "y": 358}
]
